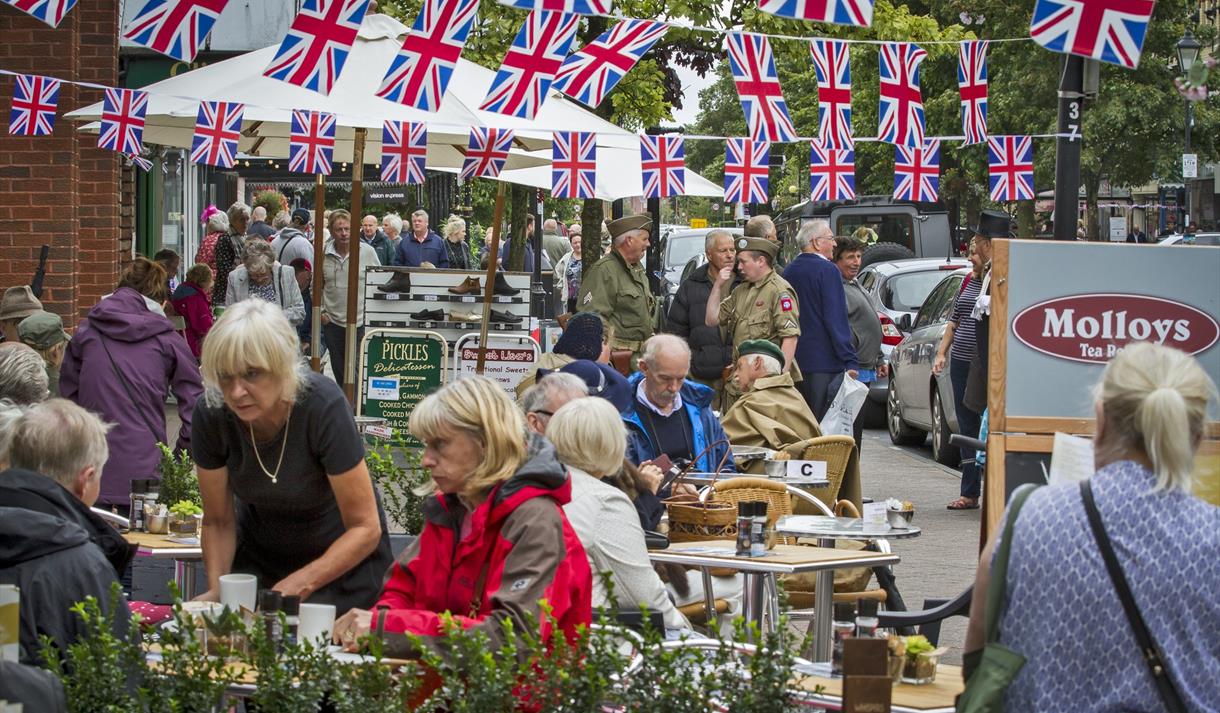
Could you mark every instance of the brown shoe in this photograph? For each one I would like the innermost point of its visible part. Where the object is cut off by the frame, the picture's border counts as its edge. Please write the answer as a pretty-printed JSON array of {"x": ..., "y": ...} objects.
[{"x": 469, "y": 286}]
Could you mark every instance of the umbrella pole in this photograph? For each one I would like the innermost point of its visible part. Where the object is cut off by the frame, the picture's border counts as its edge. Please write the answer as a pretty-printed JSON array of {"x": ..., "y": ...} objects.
[
  {"x": 351, "y": 358},
  {"x": 315, "y": 329},
  {"x": 493, "y": 252}
]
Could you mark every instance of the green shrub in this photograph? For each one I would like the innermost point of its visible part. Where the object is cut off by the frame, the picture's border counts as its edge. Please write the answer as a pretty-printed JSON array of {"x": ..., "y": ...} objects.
[
  {"x": 178, "y": 478},
  {"x": 395, "y": 470}
]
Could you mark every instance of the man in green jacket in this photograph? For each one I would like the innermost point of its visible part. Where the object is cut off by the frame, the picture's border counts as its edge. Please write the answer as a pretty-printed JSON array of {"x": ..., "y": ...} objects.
[{"x": 616, "y": 287}]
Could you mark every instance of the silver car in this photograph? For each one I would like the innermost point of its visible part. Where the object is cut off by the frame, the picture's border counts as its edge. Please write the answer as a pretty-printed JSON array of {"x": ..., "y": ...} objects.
[{"x": 919, "y": 402}]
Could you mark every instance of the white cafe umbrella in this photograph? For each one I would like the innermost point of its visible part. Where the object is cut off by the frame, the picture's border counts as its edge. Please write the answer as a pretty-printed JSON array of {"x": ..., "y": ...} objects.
[{"x": 618, "y": 175}]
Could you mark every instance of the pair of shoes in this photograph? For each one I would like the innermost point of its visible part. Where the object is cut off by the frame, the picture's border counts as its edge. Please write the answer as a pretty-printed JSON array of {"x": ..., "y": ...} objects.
[
  {"x": 398, "y": 282},
  {"x": 469, "y": 286},
  {"x": 458, "y": 315},
  {"x": 501, "y": 286},
  {"x": 428, "y": 315},
  {"x": 498, "y": 317},
  {"x": 964, "y": 503}
]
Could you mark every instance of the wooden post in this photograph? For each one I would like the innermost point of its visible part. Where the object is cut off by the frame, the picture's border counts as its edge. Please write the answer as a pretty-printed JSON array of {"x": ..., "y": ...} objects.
[
  {"x": 354, "y": 283},
  {"x": 319, "y": 252},
  {"x": 493, "y": 252}
]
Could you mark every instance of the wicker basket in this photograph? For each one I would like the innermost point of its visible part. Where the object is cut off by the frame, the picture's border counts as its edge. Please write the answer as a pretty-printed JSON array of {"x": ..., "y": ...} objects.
[{"x": 691, "y": 520}]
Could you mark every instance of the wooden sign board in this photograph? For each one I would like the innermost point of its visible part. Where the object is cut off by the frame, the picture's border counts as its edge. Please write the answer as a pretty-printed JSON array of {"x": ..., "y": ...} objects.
[{"x": 398, "y": 368}]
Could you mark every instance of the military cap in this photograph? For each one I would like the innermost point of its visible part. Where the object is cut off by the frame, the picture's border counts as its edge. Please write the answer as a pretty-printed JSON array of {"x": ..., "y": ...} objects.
[
  {"x": 629, "y": 223},
  {"x": 761, "y": 346},
  {"x": 42, "y": 330},
  {"x": 761, "y": 245},
  {"x": 19, "y": 302}
]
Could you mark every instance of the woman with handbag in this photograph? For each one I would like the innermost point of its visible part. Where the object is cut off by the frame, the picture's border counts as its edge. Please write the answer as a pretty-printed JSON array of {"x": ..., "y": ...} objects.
[{"x": 1099, "y": 597}]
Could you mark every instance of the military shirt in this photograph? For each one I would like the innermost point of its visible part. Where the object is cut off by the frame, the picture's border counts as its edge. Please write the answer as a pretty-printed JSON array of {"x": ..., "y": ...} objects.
[
  {"x": 619, "y": 292},
  {"x": 763, "y": 310}
]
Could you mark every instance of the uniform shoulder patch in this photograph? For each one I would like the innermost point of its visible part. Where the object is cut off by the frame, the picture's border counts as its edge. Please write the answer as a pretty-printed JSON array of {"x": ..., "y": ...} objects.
[
  {"x": 785, "y": 303},
  {"x": 588, "y": 298}
]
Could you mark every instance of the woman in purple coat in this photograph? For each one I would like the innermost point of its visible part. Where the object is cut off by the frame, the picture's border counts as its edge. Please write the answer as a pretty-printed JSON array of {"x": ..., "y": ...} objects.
[{"x": 122, "y": 361}]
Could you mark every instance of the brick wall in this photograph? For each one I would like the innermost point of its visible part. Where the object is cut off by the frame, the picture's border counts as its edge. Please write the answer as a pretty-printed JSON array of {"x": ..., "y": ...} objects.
[{"x": 61, "y": 190}]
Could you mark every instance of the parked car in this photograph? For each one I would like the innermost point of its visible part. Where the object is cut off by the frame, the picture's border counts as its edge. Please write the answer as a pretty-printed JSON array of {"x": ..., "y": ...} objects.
[
  {"x": 679, "y": 248},
  {"x": 903, "y": 229},
  {"x": 1196, "y": 239},
  {"x": 919, "y": 402}
]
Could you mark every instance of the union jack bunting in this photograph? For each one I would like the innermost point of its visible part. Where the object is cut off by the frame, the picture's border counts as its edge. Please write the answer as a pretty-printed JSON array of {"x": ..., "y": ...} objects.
[
  {"x": 530, "y": 65},
  {"x": 577, "y": 7},
  {"x": 1109, "y": 30},
  {"x": 832, "y": 63},
  {"x": 318, "y": 43},
  {"x": 35, "y": 99},
  {"x": 174, "y": 27},
  {"x": 1010, "y": 160},
  {"x": 588, "y": 75},
  {"x": 832, "y": 173},
  {"x": 140, "y": 162},
  {"x": 917, "y": 172},
  {"x": 663, "y": 166},
  {"x": 902, "y": 120},
  {"x": 841, "y": 12},
  {"x": 573, "y": 164},
  {"x": 421, "y": 70},
  {"x": 123, "y": 113},
  {"x": 747, "y": 168},
  {"x": 404, "y": 151},
  {"x": 49, "y": 11},
  {"x": 753, "y": 68},
  {"x": 217, "y": 131},
  {"x": 311, "y": 145},
  {"x": 972, "y": 86},
  {"x": 487, "y": 152}
]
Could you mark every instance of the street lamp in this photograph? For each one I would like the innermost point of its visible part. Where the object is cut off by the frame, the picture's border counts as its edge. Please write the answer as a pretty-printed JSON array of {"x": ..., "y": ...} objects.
[{"x": 1188, "y": 51}]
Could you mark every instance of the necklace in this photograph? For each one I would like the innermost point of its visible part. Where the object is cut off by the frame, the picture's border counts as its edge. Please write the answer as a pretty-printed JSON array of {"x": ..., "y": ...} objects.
[{"x": 254, "y": 442}]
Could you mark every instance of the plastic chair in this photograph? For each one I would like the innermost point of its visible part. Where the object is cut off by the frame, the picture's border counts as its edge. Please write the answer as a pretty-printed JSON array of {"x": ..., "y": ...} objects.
[
  {"x": 928, "y": 620},
  {"x": 836, "y": 452}
]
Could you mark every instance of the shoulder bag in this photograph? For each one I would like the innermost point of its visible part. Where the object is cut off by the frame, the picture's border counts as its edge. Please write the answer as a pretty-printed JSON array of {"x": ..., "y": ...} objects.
[{"x": 990, "y": 670}]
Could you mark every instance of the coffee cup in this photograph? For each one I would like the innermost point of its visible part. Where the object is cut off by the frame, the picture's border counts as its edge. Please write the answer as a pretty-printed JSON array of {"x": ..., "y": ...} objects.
[
  {"x": 238, "y": 591},
  {"x": 317, "y": 621}
]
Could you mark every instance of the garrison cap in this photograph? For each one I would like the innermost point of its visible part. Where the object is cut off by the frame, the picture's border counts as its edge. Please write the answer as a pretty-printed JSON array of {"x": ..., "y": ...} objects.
[
  {"x": 761, "y": 346},
  {"x": 761, "y": 245},
  {"x": 629, "y": 223},
  {"x": 42, "y": 330}
]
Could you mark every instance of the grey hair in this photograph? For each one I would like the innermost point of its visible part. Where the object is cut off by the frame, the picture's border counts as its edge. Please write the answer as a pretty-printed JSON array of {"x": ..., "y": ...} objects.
[
  {"x": 259, "y": 213},
  {"x": 282, "y": 220},
  {"x": 23, "y": 374},
  {"x": 558, "y": 383},
  {"x": 771, "y": 365},
  {"x": 663, "y": 342},
  {"x": 257, "y": 255},
  {"x": 759, "y": 226},
  {"x": 550, "y": 224},
  {"x": 10, "y": 414},
  {"x": 809, "y": 231},
  {"x": 236, "y": 211},
  {"x": 622, "y": 237},
  {"x": 59, "y": 439},
  {"x": 454, "y": 225},
  {"x": 218, "y": 223},
  {"x": 395, "y": 220},
  {"x": 420, "y": 212},
  {"x": 709, "y": 241}
]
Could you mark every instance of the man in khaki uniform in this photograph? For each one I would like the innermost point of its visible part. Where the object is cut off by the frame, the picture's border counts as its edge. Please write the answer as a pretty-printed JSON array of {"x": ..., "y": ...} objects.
[
  {"x": 770, "y": 413},
  {"x": 616, "y": 287}
]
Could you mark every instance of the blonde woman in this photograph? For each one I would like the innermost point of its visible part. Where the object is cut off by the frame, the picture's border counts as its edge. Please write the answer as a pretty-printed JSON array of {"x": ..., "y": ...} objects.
[
  {"x": 260, "y": 275},
  {"x": 590, "y": 439},
  {"x": 456, "y": 245},
  {"x": 495, "y": 540},
  {"x": 1060, "y": 609},
  {"x": 286, "y": 494}
]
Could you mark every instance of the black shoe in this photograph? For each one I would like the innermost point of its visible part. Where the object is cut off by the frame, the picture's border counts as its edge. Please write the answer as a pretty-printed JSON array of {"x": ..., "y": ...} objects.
[
  {"x": 503, "y": 317},
  {"x": 398, "y": 282},
  {"x": 501, "y": 286},
  {"x": 428, "y": 315}
]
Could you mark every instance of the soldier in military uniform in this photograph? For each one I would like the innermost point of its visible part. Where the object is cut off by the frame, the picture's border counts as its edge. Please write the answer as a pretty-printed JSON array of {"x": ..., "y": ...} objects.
[
  {"x": 616, "y": 287},
  {"x": 763, "y": 307}
]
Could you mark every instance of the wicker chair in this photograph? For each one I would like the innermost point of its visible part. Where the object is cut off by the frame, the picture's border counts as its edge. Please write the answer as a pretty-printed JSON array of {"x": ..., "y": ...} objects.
[
  {"x": 836, "y": 451},
  {"x": 772, "y": 492}
]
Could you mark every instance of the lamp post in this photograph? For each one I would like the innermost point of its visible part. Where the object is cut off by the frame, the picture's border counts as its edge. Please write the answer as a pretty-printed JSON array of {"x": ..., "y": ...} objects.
[{"x": 1188, "y": 51}]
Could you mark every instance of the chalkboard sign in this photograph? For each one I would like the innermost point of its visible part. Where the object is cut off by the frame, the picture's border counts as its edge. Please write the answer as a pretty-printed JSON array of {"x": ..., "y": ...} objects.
[{"x": 399, "y": 367}]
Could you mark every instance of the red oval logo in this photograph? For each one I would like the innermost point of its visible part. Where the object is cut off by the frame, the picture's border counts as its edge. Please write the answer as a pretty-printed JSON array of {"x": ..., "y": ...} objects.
[{"x": 1093, "y": 328}]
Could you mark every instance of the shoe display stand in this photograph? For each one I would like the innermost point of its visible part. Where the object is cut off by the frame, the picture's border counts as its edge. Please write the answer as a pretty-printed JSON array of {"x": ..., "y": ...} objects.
[{"x": 429, "y": 291}]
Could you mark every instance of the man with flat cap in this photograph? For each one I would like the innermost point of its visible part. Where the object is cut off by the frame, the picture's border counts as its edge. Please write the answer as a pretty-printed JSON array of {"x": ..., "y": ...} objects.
[
  {"x": 770, "y": 412},
  {"x": 616, "y": 287},
  {"x": 762, "y": 307}
]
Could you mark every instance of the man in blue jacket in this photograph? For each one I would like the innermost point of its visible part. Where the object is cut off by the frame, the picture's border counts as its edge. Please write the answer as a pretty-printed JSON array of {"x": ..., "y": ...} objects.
[
  {"x": 824, "y": 350},
  {"x": 421, "y": 245}
]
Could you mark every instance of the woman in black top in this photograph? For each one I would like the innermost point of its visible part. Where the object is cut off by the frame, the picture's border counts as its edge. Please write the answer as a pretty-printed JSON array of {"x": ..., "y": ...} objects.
[
  {"x": 456, "y": 245},
  {"x": 286, "y": 494}
]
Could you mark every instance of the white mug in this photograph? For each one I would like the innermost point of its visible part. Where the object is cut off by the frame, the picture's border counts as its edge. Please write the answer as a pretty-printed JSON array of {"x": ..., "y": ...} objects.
[
  {"x": 238, "y": 591},
  {"x": 317, "y": 621}
]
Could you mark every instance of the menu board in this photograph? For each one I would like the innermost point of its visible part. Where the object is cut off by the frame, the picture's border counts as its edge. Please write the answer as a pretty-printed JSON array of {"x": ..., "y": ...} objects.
[{"x": 399, "y": 367}]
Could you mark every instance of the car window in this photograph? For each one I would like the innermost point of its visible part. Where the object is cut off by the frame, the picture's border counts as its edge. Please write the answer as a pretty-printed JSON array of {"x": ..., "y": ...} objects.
[
  {"x": 1207, "y": 239},
  {"x": 681, "y": 248},
  {"x": 954, "y": 286},
  {"x": 934, "y": 305},
  {"x": 867, "y": 279},
  {"x": 889, "y": 228},
  {"x": 907, "y": 291}
]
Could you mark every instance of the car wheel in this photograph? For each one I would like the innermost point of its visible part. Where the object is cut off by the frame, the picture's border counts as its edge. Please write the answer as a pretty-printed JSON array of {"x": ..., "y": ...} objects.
[
  {"x": 884, "y": 252},
  {"x": 942, "y": 452},
  {"x": 900, "y": 433}
]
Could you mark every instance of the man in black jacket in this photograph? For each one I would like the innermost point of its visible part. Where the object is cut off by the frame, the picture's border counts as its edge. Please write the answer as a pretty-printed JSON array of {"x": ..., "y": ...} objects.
[
  {"x": 52, "y": 546},
  {"x": 709, "y": 354}
]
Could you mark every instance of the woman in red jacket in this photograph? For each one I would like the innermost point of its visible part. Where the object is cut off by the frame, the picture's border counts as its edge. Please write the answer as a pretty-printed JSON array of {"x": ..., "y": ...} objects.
[
  {"x": 495, "y": 540},
  {"x": 193, "y": 302}
]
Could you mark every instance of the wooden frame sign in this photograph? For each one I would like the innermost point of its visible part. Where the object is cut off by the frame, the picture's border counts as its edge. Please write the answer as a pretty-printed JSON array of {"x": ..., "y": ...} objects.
[{"x": 398, "y": 368}]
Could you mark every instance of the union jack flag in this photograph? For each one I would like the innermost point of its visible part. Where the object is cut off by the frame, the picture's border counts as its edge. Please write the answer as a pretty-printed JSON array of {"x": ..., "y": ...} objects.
[
  {"x": 972, "y": 86},
  {"x": 487, "y": 152},
  {"x": 577, "y": 7},
  {"x": 841, "y": 12},
  {"x": 573, "y": 164},
  {"x": 311, "y": 145},
  {"x": 217, "y": 131},
  {"x": 49, "y": 11},
  {"x": 747, "y": 169},
  {"x": 902, "y": 120},
  {"x": 832, "y": 62},
  {"x": 140, "y": 162},
  {"x": 174, "y": 27},
  {"x": 123, "y": 113},
  {"x": 404, "y": 151},
  {"x": 588, "y": 75},
  {"x": 530, "y": 65},
  {"x": 421, "y": 70},
  {"x": 1109, "y": 30},
  {"x": 35, "y": 99},
  {"x": 753, "y": 68},
  {"x": 832, "y": 173},
  {"x": 917, "y": 172},
  {"x": 663, "y": 166},
  {"x": 318, "y": 43},
  {"x": 1010, "y": 160}
]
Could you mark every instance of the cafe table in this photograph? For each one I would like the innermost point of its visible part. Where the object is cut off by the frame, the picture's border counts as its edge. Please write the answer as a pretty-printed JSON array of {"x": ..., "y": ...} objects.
[
  {"x": 935, "y": 697},
  {"x": 781, "y": 559},
  {"x": 184, "y": 555}
]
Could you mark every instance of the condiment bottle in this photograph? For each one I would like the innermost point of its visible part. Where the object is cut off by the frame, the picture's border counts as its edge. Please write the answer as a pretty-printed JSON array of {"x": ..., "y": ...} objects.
[
  {"x": 139, "y": 489},
  {"x": 745, "y": 521},
  {"x": 291, "y": 606},
  {"x": 844, "y": 628},
  {"x": 269, "y": 608},
  {"x": 758, "y": 530},
  {"x": 866, "y": 619}
]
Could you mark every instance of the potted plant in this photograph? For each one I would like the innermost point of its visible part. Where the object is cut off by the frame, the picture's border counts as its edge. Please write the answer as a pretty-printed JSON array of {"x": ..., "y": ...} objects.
[
  {"x": 178, "y": 478},
  {"x": 919, "y": 666},
  {"x": 184, "y": 518}
]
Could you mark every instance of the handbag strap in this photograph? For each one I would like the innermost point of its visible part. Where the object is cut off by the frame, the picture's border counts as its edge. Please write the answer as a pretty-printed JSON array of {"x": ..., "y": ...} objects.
[
  {"x": 999, "y": 565},
  {"x": 127, "y": 387},
  {"x": 719, "y": 466},
  {"x": 1151, "y": 652}
]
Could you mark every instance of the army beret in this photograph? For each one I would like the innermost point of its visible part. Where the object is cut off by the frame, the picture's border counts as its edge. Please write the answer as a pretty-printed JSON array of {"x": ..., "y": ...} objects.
[
  {"x": 628, "y": 223},
  {"x": 761, "y": 245},
  {"x": 761, "y": 346}
]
